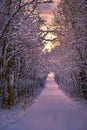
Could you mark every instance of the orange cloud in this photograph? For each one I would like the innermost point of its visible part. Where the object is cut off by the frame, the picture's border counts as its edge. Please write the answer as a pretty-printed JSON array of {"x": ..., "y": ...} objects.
[{"x": 47, "y": 17}]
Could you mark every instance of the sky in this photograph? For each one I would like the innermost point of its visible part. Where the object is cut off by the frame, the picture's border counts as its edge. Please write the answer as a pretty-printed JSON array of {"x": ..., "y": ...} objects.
[
  {"x": 47, "y": 11},
  {"x": 47, "y": 14}
]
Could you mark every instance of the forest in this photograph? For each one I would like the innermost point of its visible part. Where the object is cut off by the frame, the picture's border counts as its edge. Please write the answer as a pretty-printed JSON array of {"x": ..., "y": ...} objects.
[{"x": 24, "y": 66}]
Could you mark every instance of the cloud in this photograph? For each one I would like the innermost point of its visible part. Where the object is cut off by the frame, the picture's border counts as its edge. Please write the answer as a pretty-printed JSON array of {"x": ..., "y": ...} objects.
[
  {"x": 46, "y": 8},
  {"x": 47, "y": 17}
]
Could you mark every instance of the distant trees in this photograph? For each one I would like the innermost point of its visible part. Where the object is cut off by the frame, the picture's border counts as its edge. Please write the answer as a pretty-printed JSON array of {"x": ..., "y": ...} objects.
[
  {"x": 71, "y": 21},
  {"x": 23, "y": 65},
  {"x": 20, "y": 49}
]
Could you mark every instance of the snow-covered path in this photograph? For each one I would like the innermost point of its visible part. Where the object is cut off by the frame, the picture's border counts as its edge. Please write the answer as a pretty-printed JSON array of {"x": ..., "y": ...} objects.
[{"x": 52, "y": 111}]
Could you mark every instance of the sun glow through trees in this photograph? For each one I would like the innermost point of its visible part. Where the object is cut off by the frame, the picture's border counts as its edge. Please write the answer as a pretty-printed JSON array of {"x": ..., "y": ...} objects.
[
  {"x": 47, "y": 15},
  {"x": 48, "y": 41}
]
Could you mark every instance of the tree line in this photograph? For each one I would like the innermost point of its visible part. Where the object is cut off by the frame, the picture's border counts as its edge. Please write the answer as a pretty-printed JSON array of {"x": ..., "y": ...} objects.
[
  {"x": 21, "y": 58},
  {"x": 23, "y": 64},
  {"x": 70, "y": 22}
]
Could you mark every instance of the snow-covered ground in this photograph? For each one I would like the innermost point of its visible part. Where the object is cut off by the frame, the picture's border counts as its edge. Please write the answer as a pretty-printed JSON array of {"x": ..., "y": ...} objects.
[{"x": 52, "y": 110}]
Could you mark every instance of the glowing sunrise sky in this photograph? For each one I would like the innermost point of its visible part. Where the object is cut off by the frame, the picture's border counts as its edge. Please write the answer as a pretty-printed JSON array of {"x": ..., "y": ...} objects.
[
  {"x": 47, "y": 14},
  {"x": 47, "y": 10}
]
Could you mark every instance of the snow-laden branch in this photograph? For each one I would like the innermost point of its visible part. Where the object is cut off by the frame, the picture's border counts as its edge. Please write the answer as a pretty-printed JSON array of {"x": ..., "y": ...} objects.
[
  {"x": 14, "y": 13},
  {"x": 55, "y": 32}
]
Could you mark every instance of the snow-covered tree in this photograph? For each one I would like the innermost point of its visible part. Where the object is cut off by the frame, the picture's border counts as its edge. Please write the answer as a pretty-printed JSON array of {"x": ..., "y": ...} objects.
[
  {"x": 20, "y": 50},
  {"x": 70, "y": 23}
]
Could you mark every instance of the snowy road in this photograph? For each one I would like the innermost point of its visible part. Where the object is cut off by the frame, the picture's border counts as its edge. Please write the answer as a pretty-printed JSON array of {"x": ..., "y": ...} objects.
[{"x": 52, "y": 111}]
